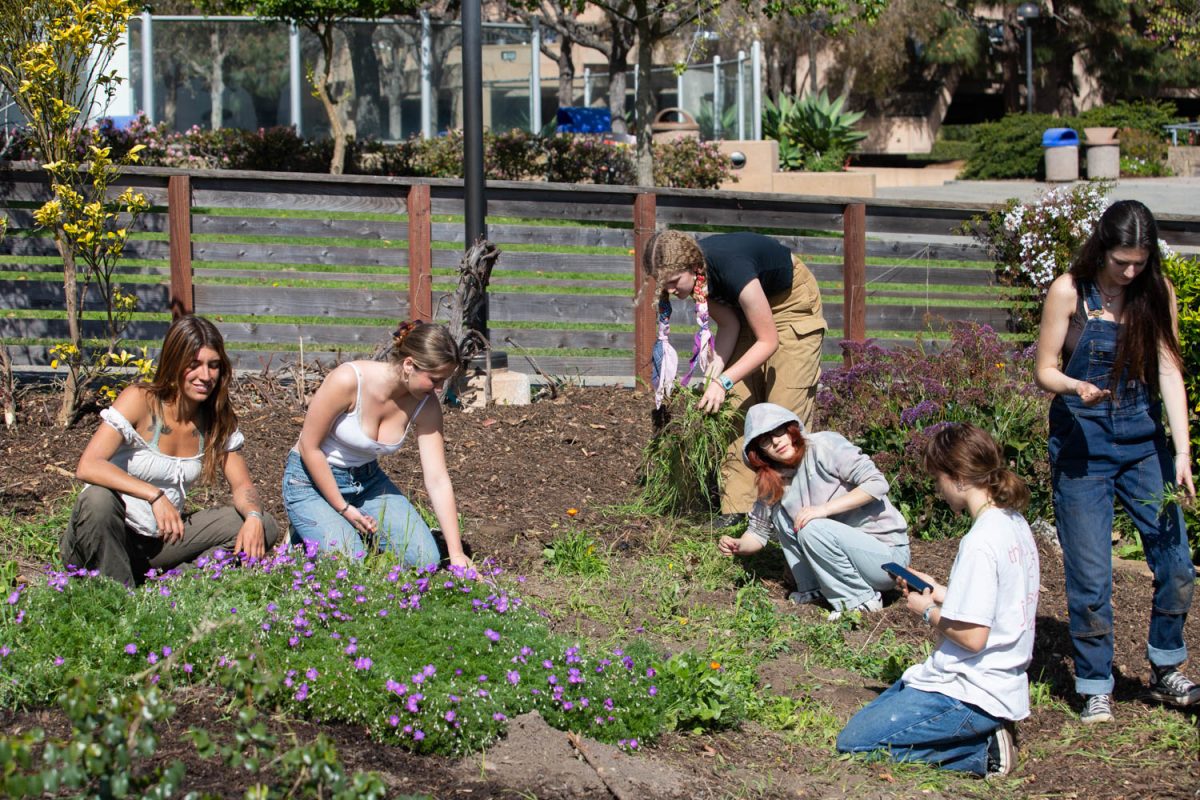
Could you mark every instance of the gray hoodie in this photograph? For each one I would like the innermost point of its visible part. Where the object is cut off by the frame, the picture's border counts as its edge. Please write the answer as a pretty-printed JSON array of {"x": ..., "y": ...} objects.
[{"x": 832, "y": 466}]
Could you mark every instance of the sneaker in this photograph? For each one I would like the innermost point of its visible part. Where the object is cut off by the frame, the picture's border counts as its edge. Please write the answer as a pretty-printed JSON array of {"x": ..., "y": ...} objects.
[
  {"x": 1170, "y": 686},
  {"x": 1096, "y": 708},
  {"x": 723, "y": 521},
  {"x": 804, "y": 598},
  {"x": 1001, "y": 752},
  {"x": 874, "y": 604}
]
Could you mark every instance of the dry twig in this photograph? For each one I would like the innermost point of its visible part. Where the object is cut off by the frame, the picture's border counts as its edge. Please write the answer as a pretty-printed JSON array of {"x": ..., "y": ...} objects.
[{"x": 577, "y": 742}]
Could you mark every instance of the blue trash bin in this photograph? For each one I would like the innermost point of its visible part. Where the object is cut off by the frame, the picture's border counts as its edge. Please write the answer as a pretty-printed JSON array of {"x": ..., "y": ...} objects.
[{"x": 1062, "y": 154}]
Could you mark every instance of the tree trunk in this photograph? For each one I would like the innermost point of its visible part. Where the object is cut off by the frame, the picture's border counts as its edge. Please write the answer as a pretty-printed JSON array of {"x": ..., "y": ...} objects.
[
  {"x": 618, "y": 55},
  {"x": 368, "y": 99},
  {"x": 644, "y": 102},
  {"x": 324, "y": 87},
  {"x": 67, "y": 409},
  {"x": 216, "y": 79},
  {"x": 566, "y": 72}
]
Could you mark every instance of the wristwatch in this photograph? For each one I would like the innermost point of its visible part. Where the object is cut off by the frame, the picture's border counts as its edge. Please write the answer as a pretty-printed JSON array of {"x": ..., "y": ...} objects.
[
  {"x": 726, "y": 384},
  {"x": 928, "y": 610}
]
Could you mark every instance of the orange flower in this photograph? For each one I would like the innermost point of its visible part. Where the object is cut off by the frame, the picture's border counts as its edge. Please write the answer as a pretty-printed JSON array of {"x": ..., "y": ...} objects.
[
  {"x": 572, "y": 512},
  {"x": 715, "y": 665}
]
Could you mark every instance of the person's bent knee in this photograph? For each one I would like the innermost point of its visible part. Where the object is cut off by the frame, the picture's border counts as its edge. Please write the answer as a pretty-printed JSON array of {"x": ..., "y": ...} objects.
[{"x": 853, "y": 740}]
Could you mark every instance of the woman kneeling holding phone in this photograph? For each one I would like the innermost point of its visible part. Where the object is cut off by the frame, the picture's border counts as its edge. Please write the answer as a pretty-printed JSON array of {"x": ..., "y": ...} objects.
[{"x": 955, "y": 709}]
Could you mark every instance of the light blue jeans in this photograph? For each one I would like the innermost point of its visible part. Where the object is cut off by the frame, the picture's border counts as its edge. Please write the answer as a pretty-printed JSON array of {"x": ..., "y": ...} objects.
[
  {"x": 401, "y": 530},
  {"x": 840, "y": 562},
  {"x": 914, "y": 725}
]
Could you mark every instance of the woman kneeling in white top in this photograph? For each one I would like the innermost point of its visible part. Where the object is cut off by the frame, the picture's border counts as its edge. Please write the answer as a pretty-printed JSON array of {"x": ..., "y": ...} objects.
[
  {"x": 955, "y": 709},
  {"x": 335, "y": 493},
  {"x": 150, "y": 449}
]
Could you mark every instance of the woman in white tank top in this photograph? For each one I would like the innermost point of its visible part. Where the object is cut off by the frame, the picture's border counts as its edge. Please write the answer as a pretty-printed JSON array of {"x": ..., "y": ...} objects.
[{"x": 335, "y": 493}]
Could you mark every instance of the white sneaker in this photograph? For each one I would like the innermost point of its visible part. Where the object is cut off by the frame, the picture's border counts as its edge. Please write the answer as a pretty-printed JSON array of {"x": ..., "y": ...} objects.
[{"x": 874, "y": 604}]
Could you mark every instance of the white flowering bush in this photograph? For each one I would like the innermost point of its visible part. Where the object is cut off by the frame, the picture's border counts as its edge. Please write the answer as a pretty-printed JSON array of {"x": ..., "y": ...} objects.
[{"x": 1034, "y": 242}]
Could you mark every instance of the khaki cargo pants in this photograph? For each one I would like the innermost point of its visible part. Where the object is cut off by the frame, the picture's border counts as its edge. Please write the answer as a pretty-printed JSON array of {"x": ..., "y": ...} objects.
[{"x": 789, "y": 378}]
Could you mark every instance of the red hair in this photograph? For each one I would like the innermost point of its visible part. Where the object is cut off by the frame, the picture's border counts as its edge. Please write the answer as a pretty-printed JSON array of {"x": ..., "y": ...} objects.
[{"x": 767, "y": 479}]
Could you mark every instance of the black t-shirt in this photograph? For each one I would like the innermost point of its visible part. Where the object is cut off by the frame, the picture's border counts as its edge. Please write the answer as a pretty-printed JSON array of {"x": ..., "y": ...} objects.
[{"x": 735, "y": 259}]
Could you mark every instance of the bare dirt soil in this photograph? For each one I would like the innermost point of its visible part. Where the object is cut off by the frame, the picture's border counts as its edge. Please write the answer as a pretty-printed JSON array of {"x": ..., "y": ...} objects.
[{"x": 516, "y": 471}]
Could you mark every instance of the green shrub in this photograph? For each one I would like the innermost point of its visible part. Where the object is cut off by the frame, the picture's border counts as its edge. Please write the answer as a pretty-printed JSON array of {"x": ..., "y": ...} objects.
[
  {"x": 576, "y": 552},
  {"x": 513, "y": 156},
  {"x": 889, "y": 402},
  {"x": 1011, "y": 147},
  {"x": 1143, "y": 154},
  {"x": 1184, "y": 273},
  {"x": 585, "y": 158},
  {"x": 690, "y": 164},
  {"x": 1147, "y": 116},
  {"x": 1034, "y": 242}
]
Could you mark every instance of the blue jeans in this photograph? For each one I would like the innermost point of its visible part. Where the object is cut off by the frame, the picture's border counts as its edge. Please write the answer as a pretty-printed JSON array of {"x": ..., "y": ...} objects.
[
  {"x": 841, "y": 562},
  {"x": 914, "y": 725},
  {"x": 1083, "y": 510},
  {"x": 401, "y": 530}
]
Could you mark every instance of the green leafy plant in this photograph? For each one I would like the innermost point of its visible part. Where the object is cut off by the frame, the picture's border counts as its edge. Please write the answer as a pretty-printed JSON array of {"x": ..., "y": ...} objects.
[
  {"x": 1010, "y": 147},
  {"x": 681, "y": 464},
  {"x": 576, "y": 552},
  {"x": 1184, "y": 274},
  {"x": 708, "y": 696},
  {"x": 110, "y": 735},
  {"x": 814, "y": 133},
  {"x": 690, "y": 164}
]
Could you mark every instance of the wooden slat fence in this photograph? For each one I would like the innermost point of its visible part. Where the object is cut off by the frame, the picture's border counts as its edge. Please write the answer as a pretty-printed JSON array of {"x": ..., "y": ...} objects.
[{"x": 351, "y": 255}]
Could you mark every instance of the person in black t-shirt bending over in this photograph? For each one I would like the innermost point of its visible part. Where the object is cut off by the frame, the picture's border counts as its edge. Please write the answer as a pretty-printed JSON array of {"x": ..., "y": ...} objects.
[{"x": 770, "y": 328}]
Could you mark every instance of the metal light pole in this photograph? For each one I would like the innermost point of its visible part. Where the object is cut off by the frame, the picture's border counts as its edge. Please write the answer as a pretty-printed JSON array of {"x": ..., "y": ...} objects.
[
  {"x": 473, "y": 174},
  {"x": 1028, "y": 12}
]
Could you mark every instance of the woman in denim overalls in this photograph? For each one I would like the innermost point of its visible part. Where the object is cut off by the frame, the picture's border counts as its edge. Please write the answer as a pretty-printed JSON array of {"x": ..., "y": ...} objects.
[{"x": 1112, "y": 315}]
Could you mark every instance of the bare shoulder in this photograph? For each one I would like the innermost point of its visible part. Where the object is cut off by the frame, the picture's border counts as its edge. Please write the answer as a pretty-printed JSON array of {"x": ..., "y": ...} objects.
[
  {"x": 134, "y": 404},
  {"x": 1062, "y": 295}
]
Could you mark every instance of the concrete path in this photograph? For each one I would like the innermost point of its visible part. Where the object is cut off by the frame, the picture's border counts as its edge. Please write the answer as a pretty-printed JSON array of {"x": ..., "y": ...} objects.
[{"x": 1179, "y": 196}]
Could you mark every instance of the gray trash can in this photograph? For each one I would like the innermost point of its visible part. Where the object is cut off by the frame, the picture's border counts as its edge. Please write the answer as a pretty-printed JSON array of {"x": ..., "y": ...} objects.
[
  {"x": 1062, "y": 154},
  {"x": 1103, "y": 153}
]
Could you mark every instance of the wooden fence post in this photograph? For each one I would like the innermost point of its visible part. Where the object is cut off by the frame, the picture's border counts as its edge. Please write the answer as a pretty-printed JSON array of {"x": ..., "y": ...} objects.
[
  {"x": 644, "y": 211},
  {"x": 854, "y": 274},
  {"x": 181, "y": 298},
  {"x": 420, "y": 253}
]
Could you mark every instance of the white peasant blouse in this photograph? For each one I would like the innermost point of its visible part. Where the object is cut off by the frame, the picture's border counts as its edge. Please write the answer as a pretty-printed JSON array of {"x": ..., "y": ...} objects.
[{"x": 172, "y": 474}]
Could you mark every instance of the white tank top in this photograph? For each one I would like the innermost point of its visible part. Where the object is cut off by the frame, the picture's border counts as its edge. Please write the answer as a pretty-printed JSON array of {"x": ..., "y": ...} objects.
[{"x": 346, "y": 445}]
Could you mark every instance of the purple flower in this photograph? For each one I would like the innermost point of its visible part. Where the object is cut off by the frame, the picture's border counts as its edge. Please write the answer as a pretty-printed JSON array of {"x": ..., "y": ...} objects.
[
  {"x": 418, "y": 735},
  {"x": 514, "y": 677},
  {"x": 491, "y": 634},
  {"x": 166, "y": 651},
  {"x": 187, "y": 668},
  {"x": 302, "y": 693},
  {"x": 131, "y": 649},
  {"x": 652, "y": 691},
  {"x": 311, "y": 673},
  {"x": 394, "y": 721},
  {"x": 152, "y": 658},
  {"x": 449, "y": 716},
  {"x": 362, "y": 663},
  {"x": 499, "y": 717},
  {"x": 58, "y": 661}
]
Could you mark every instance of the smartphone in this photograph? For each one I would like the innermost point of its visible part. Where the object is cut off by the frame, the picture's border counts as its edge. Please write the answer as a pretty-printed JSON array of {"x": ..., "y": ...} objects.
[{"x": 915, "y": 584}]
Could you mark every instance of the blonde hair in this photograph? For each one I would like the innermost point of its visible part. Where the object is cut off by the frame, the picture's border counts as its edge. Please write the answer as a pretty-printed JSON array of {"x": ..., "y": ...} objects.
[
  {"x": 669, "y": 253},
  {"x": 431, "y": 347}
]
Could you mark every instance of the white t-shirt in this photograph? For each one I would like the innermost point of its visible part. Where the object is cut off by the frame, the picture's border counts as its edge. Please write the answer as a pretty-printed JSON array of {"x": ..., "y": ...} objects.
[{"x": 994, "y": 582}]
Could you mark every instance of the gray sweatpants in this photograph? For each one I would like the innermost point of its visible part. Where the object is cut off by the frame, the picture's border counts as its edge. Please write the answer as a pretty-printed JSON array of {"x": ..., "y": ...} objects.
[
  {"x": 97, "y": 538},
  {"x": 840, "y": 562}
]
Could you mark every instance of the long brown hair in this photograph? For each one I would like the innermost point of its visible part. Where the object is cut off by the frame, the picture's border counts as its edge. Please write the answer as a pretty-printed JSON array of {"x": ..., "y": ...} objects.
[
  {"x": 216, "y": 419},
  {"x": 1147, "y": 319},
  {"x": 967, "y": 453},
  {"x": 767, "y": 480}
]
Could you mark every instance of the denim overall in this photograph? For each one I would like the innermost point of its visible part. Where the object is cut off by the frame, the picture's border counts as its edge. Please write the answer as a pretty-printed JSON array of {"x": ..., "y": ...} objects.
[{"x": 1117, "y": 445}]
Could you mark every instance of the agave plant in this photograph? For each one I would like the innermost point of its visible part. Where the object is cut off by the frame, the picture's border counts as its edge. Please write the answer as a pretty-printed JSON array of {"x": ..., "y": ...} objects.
[{"x": 811, "y": 131}]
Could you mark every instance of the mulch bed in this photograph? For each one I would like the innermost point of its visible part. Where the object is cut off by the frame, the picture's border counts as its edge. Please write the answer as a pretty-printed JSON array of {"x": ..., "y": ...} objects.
[{"x": 516, "y": 470}]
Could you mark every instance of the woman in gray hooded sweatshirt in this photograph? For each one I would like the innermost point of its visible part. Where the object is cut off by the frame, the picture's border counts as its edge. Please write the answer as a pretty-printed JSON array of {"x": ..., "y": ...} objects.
[{"x": 827, "y": 504}]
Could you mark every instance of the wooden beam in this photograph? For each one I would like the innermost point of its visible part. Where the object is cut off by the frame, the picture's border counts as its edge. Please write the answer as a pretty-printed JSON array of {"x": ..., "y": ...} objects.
[
  {"x": 854, "y": 273},
  {"x": 420, "y": 253},
  {"x": 179, "y": 221},
  {"x": 643, "y": 313}
]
